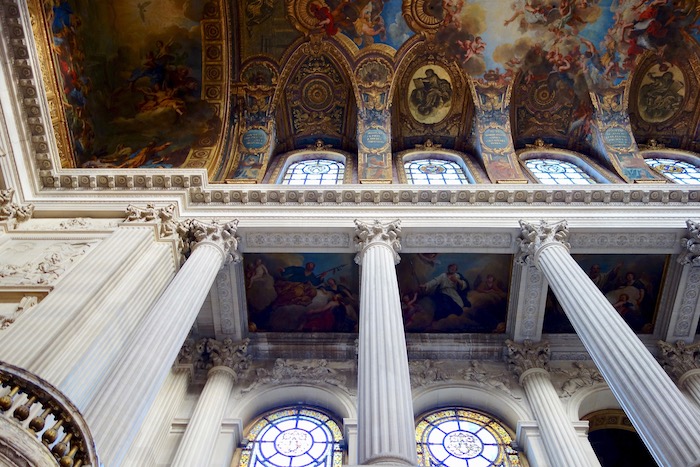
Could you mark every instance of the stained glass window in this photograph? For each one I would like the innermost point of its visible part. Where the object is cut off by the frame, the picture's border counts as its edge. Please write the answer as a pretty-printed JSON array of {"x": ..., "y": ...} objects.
[
  {"x": 458, "y": 437},
  {"x": 434, "y": 172},
  {"x": 558, "y": 172},
  {"x": 314, "y": 172},
  {"x": 677, "y": 171},
  {"x": 293, "y": 437}
]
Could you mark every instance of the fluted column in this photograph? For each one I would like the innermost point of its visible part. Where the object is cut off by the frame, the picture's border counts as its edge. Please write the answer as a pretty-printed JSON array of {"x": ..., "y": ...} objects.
[
  {"x": 658, "y": 410},
  {"x": 34, "y": 336},
  {"x": 228, "y": 360},
  {"x": 530, "y": 362},
  {"x": 386, "y": 430},
  {"x": 682, "y": 362},
  {"x": 122, "y": 401},
  {"x": 149, "y": 440}
]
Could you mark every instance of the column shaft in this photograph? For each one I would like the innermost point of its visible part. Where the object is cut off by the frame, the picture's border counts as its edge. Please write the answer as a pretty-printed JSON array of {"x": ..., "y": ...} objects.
[
  {"x": 386, "y": 427},
  {"x": 92, "y": 350},
  {"x": 560, "y": 439},
  {"x": 73, "y": 298},
  {"x": 156, "y": 425},
  {"x": 197, "y": 445},
  {"x": 139, "y": 374},
  {"x": 656, "y": 407}
]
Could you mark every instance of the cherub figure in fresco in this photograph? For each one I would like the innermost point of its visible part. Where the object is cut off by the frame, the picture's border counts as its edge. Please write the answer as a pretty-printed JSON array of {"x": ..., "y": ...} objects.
[
  {"x": 369, "y": 25},
  {"x": 451, "y": 10},
  {"x": 530, "y": 13},
  {"x": 471, "y": 47}
]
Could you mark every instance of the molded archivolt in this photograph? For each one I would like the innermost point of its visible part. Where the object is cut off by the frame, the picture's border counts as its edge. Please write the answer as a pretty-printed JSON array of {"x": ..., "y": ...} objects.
[
  {"x": 334, "y": 400},
  {"x": 431, "y": 98},
  {"x": 315, "y": 99},
  {"x": 665, "y": 97}
]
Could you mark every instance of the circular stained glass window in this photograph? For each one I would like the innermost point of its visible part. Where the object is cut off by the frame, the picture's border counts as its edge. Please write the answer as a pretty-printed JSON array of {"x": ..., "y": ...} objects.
[
  {"x": 458, "y": 437},
  {"x": 293, "y": 437}
]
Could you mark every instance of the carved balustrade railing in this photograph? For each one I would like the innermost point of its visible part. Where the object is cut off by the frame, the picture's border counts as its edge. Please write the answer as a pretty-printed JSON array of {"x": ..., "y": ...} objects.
[{"x": 45, "y": 414}]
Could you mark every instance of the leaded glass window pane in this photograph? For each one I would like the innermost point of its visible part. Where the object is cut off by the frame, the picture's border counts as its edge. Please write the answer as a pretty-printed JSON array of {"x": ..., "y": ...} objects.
[
  {"x": 677, "y": 171},
  {"x": 457, "y": 437},
  {"x": 293, "y": 437},
  {"x": 434, "y": 172},
  {"x": 554, "y": 171},
  {"x": 314, "y": 172}
]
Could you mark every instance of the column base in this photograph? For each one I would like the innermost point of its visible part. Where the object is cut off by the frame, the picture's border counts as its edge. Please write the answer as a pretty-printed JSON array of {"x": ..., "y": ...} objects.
[{"x": 388, "y": 459}]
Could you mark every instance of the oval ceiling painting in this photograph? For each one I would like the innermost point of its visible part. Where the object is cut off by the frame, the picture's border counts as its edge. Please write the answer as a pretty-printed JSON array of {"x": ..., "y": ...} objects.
[{"x": 430, "y": 94}]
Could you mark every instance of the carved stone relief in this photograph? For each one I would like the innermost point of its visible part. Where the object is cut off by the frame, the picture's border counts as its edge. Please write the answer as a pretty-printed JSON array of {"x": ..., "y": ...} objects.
[{"x": 39, "y": 262}]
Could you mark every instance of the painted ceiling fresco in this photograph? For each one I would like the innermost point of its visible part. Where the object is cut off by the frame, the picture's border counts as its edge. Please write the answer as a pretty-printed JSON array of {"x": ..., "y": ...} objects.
[
  {"x": 631, "y": 283},
  {"x": 227, "y": 86}
]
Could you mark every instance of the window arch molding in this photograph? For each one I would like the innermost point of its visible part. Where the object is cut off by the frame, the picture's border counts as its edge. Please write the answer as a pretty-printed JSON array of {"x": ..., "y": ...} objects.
[
  {"x": 463, "y": 161},
  {"x": 674, "y": 154},
  {"x": 265, "y": 399},
  {"x": 500, "y": 405},
  {"x": 283, "y": 161},
  {"x": 580, "y": 161}
]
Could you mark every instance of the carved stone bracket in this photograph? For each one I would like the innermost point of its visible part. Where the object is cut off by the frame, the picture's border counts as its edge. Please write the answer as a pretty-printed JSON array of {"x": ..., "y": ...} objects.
[
  {"x": 583, "y": 376},
  {"x": 164, "y": 217},
  {"x": 297, "y": 371},
  {"x": 535, "y": 237},
  {"x": 526, "y": 356},
  {"x": 222, "y": 236},
  {"x": 680, "y": 358},
  {"x": 13, "y": 213},
  {"x": 691, "y": 243},
  {"x": 377, "y": 233}
]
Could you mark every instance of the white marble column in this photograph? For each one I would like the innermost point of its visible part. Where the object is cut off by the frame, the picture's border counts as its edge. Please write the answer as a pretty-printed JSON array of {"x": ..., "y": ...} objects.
[
  {"x": 386, "y": 426},
  {"x": 154, "y": 430},
  {"x": 658, "y": 410},
  {"x": 530, "y": 362},
  {"x": 682, "y": 362},
  {"x": 198, "y": 442},
  {"x": 33, "y": 336},
  {"x": 122, "y": 401}
]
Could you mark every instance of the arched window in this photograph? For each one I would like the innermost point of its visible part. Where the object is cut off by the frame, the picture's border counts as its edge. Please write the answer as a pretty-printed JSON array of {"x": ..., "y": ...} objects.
[
  {"x": 434, "y": 172},
  {"x": 675, "y": 170},
  {"x": 558, "y": 172},
  {"x": 314, "y": 172},
  {"x": 293, "y": 437},
  {"x": 460, "y": 437}
]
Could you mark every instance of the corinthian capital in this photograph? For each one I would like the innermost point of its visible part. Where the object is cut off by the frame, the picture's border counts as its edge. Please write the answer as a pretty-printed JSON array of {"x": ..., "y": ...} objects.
[
  {"x": 11, "y": 212},
  {"x": 377, "y": 233},
  {"x": 680, "y": 358},
  {"x": 223, "y": 236},
  {"x": 534, "y": 237},
  {"x": 528, "y": 355},
  {"x": 213, "y": 353},
  {"x": 691, "y": 255},
  {"x": 164, "y": 217}
]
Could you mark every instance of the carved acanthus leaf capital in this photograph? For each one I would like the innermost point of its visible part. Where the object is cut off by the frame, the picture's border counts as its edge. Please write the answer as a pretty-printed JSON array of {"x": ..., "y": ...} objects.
[
  {"x": 213, "y": 353},
  {"x": 13, "y": 213},
  {"x": 223, "y": 236},
  {"x": 534, "y": 237},
  {"x": 186, "y": 354},
  {"x": 691, "y": 243},
  {"x": 377, "y": 233},
  {"x": 680, "y": 358},
  {"x": 528, "y": 355},
  {"x": 164, "y": 217}
]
